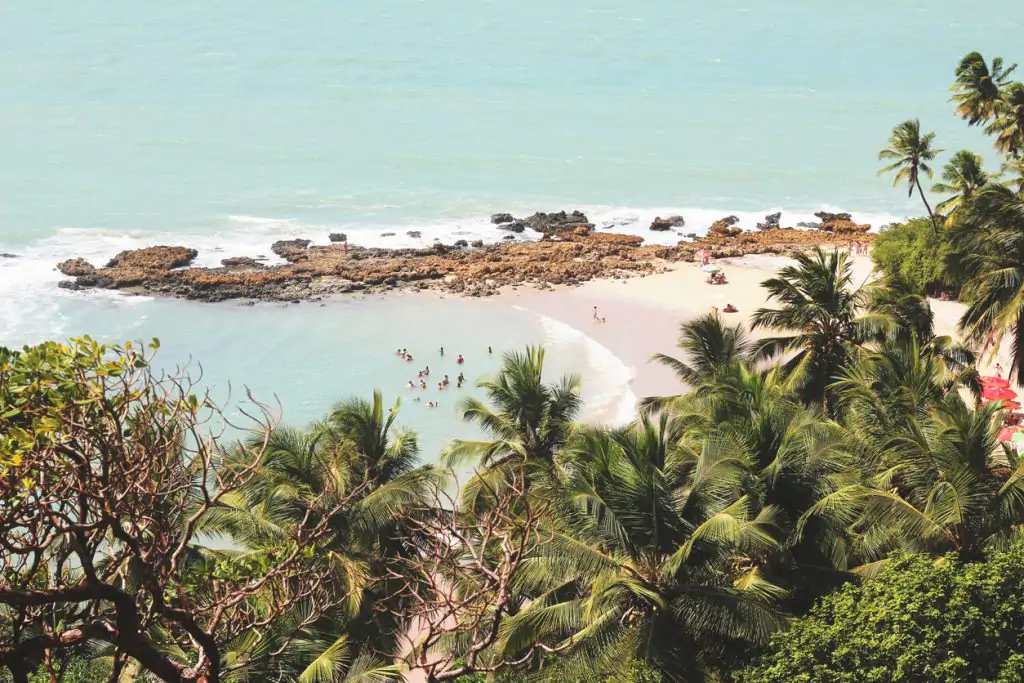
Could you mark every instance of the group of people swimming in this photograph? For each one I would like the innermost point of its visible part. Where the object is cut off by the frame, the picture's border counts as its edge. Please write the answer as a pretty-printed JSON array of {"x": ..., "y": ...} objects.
[{"x": 421, "y": 378}]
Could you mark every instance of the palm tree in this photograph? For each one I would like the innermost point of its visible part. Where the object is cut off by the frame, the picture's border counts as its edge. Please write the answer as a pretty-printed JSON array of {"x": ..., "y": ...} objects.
[
  {"x": 1012, "y": 174},
  {"x": 527, "y": 419},
  {"x": 962, "y": 176},
  {"x": 655, "y": 559},
  {"x": 978, "y": 88},
  {"x": 988, "y": 234},
  {"x": 356, "y": 454},
  {"x": 947, "y": 487},
  {"x": 1008, "y": 124},
  {"x": 910, "y": 152},
  {"x": 709, "y": 345},
  {"x": 823, "y": 310}
]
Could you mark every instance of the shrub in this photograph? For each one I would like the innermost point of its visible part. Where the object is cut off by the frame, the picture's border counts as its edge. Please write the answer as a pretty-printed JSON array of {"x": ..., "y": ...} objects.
[
  {"x": 920, "y": 620},
  {"x": 913, "y": 252}
]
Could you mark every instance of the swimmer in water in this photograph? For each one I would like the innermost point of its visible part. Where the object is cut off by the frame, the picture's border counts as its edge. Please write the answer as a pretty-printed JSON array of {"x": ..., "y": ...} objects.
[
  {"x": 446, "y": 382},
  {"x": 489, "y": 352},
  {"x": 426, "y": 371},
  {"x": 442, "y": 352},
  {"x": 411, "y": 385},
  {"x": 423, "y": 385},
  {"x": 460, "y": 360}
]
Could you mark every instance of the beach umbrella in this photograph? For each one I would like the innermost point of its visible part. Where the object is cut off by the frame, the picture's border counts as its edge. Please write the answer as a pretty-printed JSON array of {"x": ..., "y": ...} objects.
[
  {"x": 995, "y": 394},
  {"x": 1006, "y": 433},
  {"x": 994, "y": 382},
  {"x": 710, "y": 268},
  {"x": 1010, "y": 405}
]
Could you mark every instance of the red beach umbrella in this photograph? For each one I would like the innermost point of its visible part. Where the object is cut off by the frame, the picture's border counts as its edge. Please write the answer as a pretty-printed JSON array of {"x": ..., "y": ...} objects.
[
  {"x": 1006, "y": 434},
  {"x": 997, "y": 394},
  {"x": 1010, "y": 405},
  {"x": 994, "y": 382}
]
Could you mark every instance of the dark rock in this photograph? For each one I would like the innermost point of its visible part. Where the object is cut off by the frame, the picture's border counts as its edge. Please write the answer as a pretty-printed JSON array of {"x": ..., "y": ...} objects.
[
  {"x": 75, "y": 267},
  {"x": 416, "y": 234},
  {"x": 660, "y": 224},
  {"x": 240, "y": 262},
  {"x": 290, "y": 250},
  {"x": 499, "y": 218},
  {"x": 810, "y": 225},
  {"x": 825, "y": 217},
  {"x": 90, "y": 282},
  {"x": 771, "y": 221},
  {"x": 461, "y": 244},
  {"x": 4, "y": 254},
  {"x": 387, "y": 234},
  {"x": 477, "y": 244},
  {"x": 338, "y": 237},
  {"x": 556, "y": 222},
  {"x": 509, "y": 237}
]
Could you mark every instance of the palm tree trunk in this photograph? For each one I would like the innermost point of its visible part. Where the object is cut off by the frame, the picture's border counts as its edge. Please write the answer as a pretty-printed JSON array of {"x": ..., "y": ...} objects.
[{"x": 931, "y": 215}]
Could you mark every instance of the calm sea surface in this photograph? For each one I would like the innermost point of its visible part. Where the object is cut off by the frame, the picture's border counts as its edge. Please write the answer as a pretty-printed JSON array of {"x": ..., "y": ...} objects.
[{"x": 226, "y": 125}]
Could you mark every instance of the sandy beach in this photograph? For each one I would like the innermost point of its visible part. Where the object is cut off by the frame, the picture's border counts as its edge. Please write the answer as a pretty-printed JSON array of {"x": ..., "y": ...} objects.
[{"x": 643, "y": 314}]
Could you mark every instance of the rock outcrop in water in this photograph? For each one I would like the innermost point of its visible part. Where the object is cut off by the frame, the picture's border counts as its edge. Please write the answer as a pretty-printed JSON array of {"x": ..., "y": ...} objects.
[
  {"x": 660, "y": 224},
  {"x": 568, "y": 253}
]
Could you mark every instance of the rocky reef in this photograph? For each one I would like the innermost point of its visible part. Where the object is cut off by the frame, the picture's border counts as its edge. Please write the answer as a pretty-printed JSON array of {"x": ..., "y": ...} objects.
[{"x": 569, "y": 252}]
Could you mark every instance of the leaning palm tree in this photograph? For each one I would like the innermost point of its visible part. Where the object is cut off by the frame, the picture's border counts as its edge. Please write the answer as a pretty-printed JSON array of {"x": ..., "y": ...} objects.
[
  {"x": 656, "y": 558},
  {"x": 1008, "y": 124},
  {"x": 978, "y": 87},
  {"x": 527, "y": 419},
  {"x": 709, "y": 346},
  {"x": 821, "y": 308},
  {"x": 988, "y": 234},
  {"x": 962, "y": 176},
  {"x": 910, "y": 151}
]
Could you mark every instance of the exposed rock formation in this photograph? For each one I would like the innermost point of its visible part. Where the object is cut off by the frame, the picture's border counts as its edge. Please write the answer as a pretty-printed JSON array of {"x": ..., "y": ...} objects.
[
  {"x": 4, "y": 254},
  {"x": 338, "y": 237},
  {"x": 415, "y": 234},
  {"x": 660, "y": 224},
  {"x": 725, "y": 227},
  {"x": 240, "y": 262},
  {"x": 499, "y": 218},
  {"x": 461, "y": 244},
  {"x": 154, "y": 258},
  {"x": 571, "y": 256},
  {"x": 76, "y": 267},
  {"x": 290, "y": 250},
  {"x": 771, "y": 221},
  {"x": 555, "y": 223}
]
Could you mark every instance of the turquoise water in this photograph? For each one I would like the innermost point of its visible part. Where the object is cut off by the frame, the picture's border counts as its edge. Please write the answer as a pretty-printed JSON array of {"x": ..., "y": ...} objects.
[{"x": 227, "y": 125}]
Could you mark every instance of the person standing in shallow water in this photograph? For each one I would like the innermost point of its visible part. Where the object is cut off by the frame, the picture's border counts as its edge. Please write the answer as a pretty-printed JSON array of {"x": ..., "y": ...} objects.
[{"x": 442, "y": 352}]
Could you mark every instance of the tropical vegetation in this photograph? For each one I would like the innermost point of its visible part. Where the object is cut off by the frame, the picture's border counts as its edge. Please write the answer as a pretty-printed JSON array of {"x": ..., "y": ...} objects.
[{"x": 833, "y": 479}]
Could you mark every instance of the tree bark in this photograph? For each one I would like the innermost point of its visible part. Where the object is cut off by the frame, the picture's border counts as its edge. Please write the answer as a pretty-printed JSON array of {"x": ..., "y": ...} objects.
[{"x": 931, "y": 215}]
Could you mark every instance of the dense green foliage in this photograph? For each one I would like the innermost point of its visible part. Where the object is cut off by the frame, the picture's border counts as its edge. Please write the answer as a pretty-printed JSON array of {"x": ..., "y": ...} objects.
[
  {"x": 919, "y": 621},
  {"x": 914, "y": 253}
]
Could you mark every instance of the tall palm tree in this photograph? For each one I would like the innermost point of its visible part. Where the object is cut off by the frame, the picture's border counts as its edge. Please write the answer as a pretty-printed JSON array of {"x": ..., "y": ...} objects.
[
  {"x": 1012, "y": 175},
  {"x": 978, "y": 87},
  {"x": 527, "y": 419},
  {"x": 1008, "y": 124},
  {"x": 962, "y": 176},
  {"x": 709, "y": 346},
  {"x": 823, "y": 310},
  {"x": 656, "y": 558},
  {"x": 988, "y": 235},
  {"x": 910, "y": 151}
]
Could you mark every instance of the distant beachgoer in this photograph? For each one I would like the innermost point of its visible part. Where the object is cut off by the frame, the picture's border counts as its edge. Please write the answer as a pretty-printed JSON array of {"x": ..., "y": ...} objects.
[
  {"x": 595, "y": 312},
  {"x": 714, "y": 310},
  {"x": 431, "y": 404},
  {"x": 446, "y": 382},
  {"x": 729, "y": 308},
  {"x": 489, "y": 352},
  {"x": 417, "y": 399},
  {"x": 462, "y": 378},
  {"x": 426, "y": 371},
  {"x": 460, "y": 360},
  {"x": 458, "y": 384},
  {"x": 408, "y": 358},
  {"x": 423, "y": 385},
  {"x": 399, "y": 352},
  {"x": 442, "y": 352},
  {"x": 440, "y": 386},
  {"x": 999, "y": 370},
  {"x": 411, "y": 385}
]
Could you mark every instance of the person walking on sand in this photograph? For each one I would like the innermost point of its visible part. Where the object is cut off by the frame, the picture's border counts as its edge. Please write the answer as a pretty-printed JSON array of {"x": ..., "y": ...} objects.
[{"x": 595, "y": 312}]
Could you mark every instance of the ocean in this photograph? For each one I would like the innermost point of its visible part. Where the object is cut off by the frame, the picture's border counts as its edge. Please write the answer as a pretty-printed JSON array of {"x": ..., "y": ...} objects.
[{"x": 228, "y": 125}]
